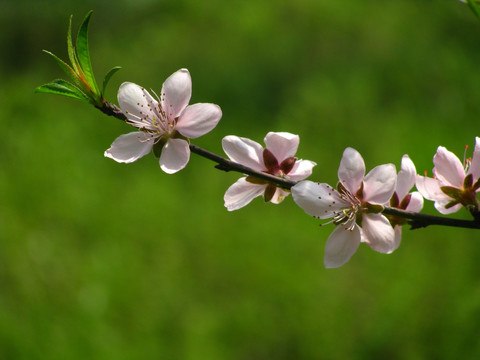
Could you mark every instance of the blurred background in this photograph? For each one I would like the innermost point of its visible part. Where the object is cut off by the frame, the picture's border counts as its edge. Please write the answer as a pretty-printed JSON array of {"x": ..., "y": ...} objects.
[{"x": 100, "y": 260}]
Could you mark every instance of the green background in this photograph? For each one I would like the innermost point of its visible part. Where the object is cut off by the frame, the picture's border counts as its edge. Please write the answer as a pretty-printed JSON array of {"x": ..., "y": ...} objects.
[{"x": 100, "y": 260}]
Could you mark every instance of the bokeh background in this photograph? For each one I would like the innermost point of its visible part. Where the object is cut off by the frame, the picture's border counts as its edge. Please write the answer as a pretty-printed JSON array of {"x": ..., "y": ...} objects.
[{"x": 100, "y": 260}]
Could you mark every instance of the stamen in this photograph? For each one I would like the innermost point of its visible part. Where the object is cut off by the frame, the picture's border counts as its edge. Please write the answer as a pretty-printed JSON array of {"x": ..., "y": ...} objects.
[{"x": 466, "y": 161}]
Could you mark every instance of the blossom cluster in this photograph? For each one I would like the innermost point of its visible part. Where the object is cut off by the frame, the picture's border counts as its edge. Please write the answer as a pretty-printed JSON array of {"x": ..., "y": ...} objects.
[{"x": 166, "y": 123}]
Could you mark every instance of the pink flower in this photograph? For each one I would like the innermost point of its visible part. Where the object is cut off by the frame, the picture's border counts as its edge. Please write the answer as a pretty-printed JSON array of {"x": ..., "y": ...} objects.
[
  {"x": 277, "y": 158},
  {"x": 165, "y": 123},
  {"x": 403, "y": 199},
  {"x": 453, "y": 184},
  {"x": 355, "y": 207}
]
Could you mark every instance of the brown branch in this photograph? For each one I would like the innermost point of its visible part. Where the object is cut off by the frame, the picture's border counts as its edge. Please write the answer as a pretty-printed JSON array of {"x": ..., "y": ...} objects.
[
  {"x": 417, "y": 220},
  {"x": 228, "y": 165}
]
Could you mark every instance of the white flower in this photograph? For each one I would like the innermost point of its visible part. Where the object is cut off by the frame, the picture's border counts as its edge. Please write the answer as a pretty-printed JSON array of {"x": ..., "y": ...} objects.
[
  {"x": 277, "y": 158},
  {"x": 403, "y": 199},
  {"x": 165, "y": 123},
  {"x": 454, "y": 184},
  {"x": 355, "y": 207}
]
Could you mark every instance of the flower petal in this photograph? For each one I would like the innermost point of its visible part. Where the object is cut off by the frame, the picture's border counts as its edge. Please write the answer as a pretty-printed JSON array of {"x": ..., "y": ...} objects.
[
  {"x": 448, "y": 168},
  {"x": 175, "y": 155},
  {"x": 130, "y": 147},
  {"x": 244, "y": 151},
  {"x": 351, "y": 170},
  {"x": 135, "y": 101},
  {"x": 301, "y": 170},
  {"x": 282, "y": 144},
  {"x": 340, "y": 246},
  {"x": 416, "y": 202},
  {"x": 378, "y": 233},
  {"x": 406, "y": 177},
  {"x": 379, "y": 184},
  {"x": 198, "y": 119},
  {"x": 398, "y": 237},
  {"x": 176, "y": 93},
  {"x": 318, "y": 200},
  {"x": 475, "y": 165},
  {"x": 279, "y": 196},
  {"x": 241, "y": 193},
  {"x": 440, "y": 206},
  {"x": 430, "y": 189}
]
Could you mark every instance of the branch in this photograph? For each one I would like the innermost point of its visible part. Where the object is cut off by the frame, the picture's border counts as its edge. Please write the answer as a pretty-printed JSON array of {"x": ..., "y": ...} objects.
[
  {"x": 228, "y": 165},
  {"x": 112, "y": 110},
  {"x": 417, "y": 220}
]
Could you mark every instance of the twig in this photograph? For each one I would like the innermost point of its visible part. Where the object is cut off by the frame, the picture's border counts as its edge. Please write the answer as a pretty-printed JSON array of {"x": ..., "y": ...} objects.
[{"x": 417, "y": 220}]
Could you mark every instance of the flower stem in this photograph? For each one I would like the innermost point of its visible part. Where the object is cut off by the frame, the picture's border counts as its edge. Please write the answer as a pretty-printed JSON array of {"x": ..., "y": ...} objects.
[{"x": 416, "y": 220}]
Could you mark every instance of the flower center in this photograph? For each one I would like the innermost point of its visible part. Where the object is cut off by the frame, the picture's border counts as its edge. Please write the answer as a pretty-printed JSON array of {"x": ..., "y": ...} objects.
[
  {"x": 162, "y": 119},
  {"x": 347, "y": 216},
  {"x": 153, "y": 118},
  {"x": 274, "y": 168}
]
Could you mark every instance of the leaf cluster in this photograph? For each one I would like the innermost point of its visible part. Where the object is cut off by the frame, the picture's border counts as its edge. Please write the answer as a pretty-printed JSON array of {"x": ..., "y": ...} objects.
[{"x": 82, "y": 84}]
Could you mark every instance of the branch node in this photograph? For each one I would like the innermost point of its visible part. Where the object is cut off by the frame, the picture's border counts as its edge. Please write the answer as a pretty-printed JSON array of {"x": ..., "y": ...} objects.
[{"x": 223, "y": 167}]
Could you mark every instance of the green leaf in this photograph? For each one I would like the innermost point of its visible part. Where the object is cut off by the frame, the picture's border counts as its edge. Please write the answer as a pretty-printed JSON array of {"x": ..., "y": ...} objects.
[
  {"x": 65, "y": 67},
  {"x": 474, "y": 6},
  {"x": 108, "y": 77},
  {"x": 62, "y": 87},
  {"x": 71, "y": 50},
  {"x": 73, "y": 89},
  {"x": 84, "y": 55}
]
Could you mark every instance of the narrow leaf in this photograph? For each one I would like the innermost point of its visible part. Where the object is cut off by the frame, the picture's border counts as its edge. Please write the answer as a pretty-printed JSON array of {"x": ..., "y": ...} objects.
[
  {"x": 66, "y": 68},
  {"x": 84, "y": 55},
  {"x": 73, "y": 89},
  {"x": 63, "y": 65},
  {"x": 71, "y": 50},
  {"x": 474, "y": 7},
  {"x": 59, "y": 89},
  {"x": 108, "y": 77}
]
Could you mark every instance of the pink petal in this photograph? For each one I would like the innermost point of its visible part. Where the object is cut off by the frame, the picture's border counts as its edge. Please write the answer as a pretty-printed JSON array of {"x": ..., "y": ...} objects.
[
  {"x": 440, "y": 206},
  {"x": 406, "y": 177},
  {"x": 282, "y": 144},
  {"x": 378, "y": 233},
  {"x": 176, "y": 93},
  {"x": 241, "y": 193},
  {"x": 448, "y": 168},
  {"x": 430, "y": 189},
  {"x": 379, "y": 184},
  {"x": 244, "y": 151},
  {"x": 340, "y": 246},
  {"x": 351, "y": 170},
  {"x": 475, "y": 165},
  {"x": 398, "y": 237},
  {"x": 416, "y": 202},
  {"x": 198, "y": 119},
  {"x": 175, "y": 155},
  {"x": 279, "y": 196},
  {"x": 301, "y": 170},
  {"x": 134, "y": 101},
  {"x": 318, "y": 200},
  {"x": 130, "y": 147}
]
